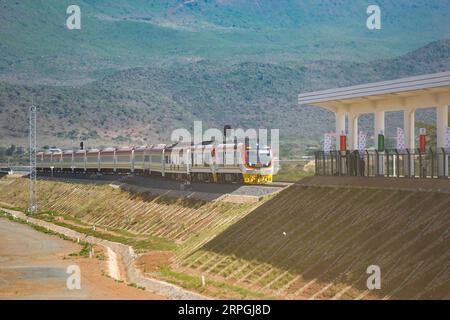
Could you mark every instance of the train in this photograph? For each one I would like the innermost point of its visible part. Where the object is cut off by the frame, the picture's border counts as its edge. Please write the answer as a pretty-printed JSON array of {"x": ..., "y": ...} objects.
[{"x": 232, "y": 162}]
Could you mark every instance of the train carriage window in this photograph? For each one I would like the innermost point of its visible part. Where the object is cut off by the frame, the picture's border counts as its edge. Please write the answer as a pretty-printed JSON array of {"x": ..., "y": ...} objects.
[
  {"x": 220, "y": 159},
  {"x": 107, "y": 158},
  {"x": 147, "y": 158},
  {"x": 207, "y": 158},
  {"x": 229, "y": 157},
  {"x": 123, "y": 159},
  {"x": 156, "y": 159}
]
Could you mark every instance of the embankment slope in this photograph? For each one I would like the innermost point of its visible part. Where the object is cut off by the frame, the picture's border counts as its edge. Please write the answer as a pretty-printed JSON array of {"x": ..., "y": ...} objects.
[
  {"x": 313, "y": 241},
  {"x": 138, "y": 213}
]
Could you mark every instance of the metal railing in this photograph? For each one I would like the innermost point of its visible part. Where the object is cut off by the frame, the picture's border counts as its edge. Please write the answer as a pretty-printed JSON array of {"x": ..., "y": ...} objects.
[{"x": 388, "y": 163}]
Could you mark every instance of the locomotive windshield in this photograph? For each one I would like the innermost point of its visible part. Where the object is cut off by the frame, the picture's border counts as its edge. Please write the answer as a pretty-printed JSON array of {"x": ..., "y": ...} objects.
[{"x": 258, "y": 156}]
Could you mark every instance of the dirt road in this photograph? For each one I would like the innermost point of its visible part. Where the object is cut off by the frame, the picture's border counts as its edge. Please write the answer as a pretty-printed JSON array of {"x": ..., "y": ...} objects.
[{"x": 33, "y": 266}]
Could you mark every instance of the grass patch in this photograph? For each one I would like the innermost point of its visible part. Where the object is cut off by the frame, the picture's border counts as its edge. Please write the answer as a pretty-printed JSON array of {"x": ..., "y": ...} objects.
[
  {"x": 194, "y": 283},
  {"x": 84, "y": 252},
  {"x": 135, "y": 285},
  {"x": 291, "y": 173},
  {"x": 11, "y": 207},
  {"x": 139, "y": 245}
]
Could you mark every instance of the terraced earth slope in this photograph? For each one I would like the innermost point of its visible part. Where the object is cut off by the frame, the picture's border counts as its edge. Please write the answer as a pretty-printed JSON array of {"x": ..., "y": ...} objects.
[
  {"x": 142, "y": 214},
  {"x": 317, "y": 242},
  {"x": 312, "y": 240}
]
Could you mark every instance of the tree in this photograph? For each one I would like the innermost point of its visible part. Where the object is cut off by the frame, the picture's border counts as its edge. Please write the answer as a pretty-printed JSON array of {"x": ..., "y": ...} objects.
[{"x": 11, "y": 149}]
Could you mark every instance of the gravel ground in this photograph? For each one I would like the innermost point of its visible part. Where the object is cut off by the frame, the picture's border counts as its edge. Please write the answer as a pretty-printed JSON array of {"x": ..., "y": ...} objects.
[
  {"x": 128, "y": 257},
  {"x": 33, "y": 265}
]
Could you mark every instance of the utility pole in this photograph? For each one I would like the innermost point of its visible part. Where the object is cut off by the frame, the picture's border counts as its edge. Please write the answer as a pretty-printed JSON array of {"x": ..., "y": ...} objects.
[{"x": 33, "y": 205}]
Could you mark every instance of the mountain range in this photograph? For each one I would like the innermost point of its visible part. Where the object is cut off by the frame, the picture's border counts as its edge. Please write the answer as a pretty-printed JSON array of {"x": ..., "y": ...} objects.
[{"x": 139, "y": 69}]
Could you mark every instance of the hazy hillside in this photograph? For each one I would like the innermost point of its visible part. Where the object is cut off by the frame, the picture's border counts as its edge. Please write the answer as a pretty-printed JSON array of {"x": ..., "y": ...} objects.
[
  {"x": 138, "y": 69},
  {"x": 37, "y": 48},
  {"x": 143, "y": 105}
]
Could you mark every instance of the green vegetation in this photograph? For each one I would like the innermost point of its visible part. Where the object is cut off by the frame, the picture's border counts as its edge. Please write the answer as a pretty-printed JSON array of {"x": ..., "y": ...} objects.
[
  {"x": 220, "y": 288},
  {"x": 292, "y": 172},
  {"x": 125, "y": 34},
  {"x": 84, "y": 252},
  {"x": 13, "y": 154},
  {"x": 138, "y": 244},
  {"x": 120, "y": 139},
  {"x": 126, "y": 107},
  {"x": 134, "y": 285}
]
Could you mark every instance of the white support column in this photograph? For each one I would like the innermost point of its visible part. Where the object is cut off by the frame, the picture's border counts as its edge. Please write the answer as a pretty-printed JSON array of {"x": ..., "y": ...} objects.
[
  {"x": 441, "y": 128},
  {"x": 409, "y": 127},
  {"x": 379, "y": 128},
  {"x": 340, "y": 124},
  {"x": 410, "y": 143},
  {"x": 353, "y": 131},
  {"x": 379, "y": 124}
]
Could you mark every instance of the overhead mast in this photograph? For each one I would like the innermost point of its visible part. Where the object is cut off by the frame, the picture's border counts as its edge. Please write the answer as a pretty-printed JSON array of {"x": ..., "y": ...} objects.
[{"x": 32, "y": 189}]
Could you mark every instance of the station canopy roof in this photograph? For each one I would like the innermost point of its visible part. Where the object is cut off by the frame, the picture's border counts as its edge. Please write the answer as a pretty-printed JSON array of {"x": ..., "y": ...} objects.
[{"x": 430, "y": 88}]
